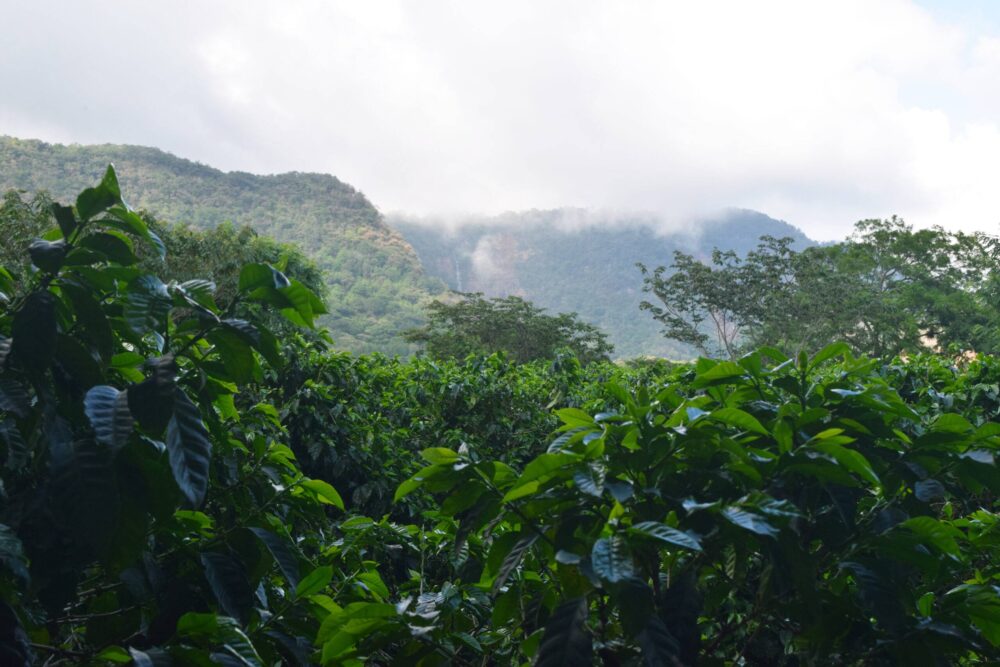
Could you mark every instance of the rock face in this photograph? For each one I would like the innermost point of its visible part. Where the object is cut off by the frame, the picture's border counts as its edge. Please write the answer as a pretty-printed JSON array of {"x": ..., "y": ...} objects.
[{"x": 575, "y": 261}]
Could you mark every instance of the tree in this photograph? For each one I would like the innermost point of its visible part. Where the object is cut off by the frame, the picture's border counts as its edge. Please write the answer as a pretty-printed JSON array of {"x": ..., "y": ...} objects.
[
  {"x": 886, "y": 289},
  {"x": 476, "y": 325},
  {"x": 715, "y": 307}
]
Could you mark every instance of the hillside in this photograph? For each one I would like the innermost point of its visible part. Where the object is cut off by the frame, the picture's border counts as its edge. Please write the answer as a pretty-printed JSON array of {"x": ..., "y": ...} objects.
[
  {"x": 376, "y": 284},
  {"x": 572, "y": 261}
]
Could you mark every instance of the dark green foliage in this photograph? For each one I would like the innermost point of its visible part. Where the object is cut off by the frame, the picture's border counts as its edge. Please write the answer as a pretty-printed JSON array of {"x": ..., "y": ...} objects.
[
  {"x": 783, "y": 513},
  {"x": 822, "y": 510},
  {"x": 477, "y": 326},
  {"x": 566, "y": 641}
]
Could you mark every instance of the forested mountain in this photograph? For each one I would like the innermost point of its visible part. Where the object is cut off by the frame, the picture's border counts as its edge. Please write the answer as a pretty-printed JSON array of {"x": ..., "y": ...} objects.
[
  {"x": 569, "y": 260},
  {"x": 565, "y": 260},
  {"x": 376, "y": 285}
]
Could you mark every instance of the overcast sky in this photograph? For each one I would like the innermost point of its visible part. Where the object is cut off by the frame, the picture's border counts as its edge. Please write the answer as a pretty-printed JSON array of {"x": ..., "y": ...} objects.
[{"x": 817, "y": 113}]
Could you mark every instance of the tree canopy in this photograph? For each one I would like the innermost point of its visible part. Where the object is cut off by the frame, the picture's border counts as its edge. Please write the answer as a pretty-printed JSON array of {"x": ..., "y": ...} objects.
[
  {"x": 476, "y": 325},
  {"x": 886, "y": 289}
]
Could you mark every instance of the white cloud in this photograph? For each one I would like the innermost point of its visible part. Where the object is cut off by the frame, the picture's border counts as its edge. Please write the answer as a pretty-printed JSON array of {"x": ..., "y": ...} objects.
[{"x": 814, "y": 112}]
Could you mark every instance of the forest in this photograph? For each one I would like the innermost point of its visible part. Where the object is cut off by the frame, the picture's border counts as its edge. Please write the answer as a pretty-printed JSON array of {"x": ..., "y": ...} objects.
[{"x": 194, "y": 473}]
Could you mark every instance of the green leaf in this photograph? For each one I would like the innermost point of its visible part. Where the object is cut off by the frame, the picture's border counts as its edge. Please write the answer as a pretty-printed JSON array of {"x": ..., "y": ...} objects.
[
  {"x": 127, "y": 221},
  {"x": 48, "y": 255},
  {"x": 574, "y": 417},
  {"x": 254, "y": 276},
  {"x": 220, "y": 630},
  {"x": 314, "y": 582},
  {"x": 151, "y": 402},
  {"x": 228, "y": 580},
  {"x": 611, "y": 559},
  {"x": 323, "y": 492},
  {"x": 936, "y": 533},
  {"x": 91, "y": 318},
  {"x": 659, "y": 647},
  {"x": 417, "y": 480},
  {"x": 951, "y": 423},
  {"x": 929, "y": 490},
  {"x": 34, "y": 332},
  {"x": 12, "y": 554},
  {"x": 244, "y": 329},
  {"x": 566, "y": 642},
  {"x": 115, "y": 654},
  {"x": 18, "y": 453},
  {"x": 77, "y": 361},
  {"x": 236, "y": 354},
  {"x": 189, "y": 449},
  {"x": 14, "y": 398},
  {"x": 15, "y": 647},
  {"x": 546, "y": 464},
  {"x": 837, "y": 349},
  {"x": 65, "y": 219},
  {"x": 283, "y": 554},
  {"x": 720, "y": 373},
  {"x": 86, "y": 490},
  {"x": 147, "y": 304},
  {"x": 851, "y": 459},
  {"x": 109, "y": 415},
  {"x": 750, "y": 521},
  {"x": 666, "y": 534},
  {"x": 513, "y": 559},
  {"x": 738, "y": 418},
  {"x": 115, "y": 247},
  {"x": 439, "y": 455},
  {"x": 106, "y": 194},
  {"x": 153, "y": 657},
  {"x": 590, "y": 480},
  {"x": 522, "y": 491}
]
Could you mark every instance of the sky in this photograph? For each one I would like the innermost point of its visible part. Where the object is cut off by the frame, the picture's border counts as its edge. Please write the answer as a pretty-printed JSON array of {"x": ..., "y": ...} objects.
[{"x": 816, "y": 113}]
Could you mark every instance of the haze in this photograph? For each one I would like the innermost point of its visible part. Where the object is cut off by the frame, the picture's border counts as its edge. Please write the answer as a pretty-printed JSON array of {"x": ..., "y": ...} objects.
[{"x": 819, "y": 114}]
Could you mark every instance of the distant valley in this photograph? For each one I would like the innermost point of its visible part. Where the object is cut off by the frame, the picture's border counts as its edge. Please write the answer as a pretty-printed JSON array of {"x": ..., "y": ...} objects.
[{"x": 570, "y": 260}]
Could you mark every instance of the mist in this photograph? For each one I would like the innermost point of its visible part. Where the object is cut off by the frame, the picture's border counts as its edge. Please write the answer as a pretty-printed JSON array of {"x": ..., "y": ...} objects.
[{"x": 815, "y": 114}]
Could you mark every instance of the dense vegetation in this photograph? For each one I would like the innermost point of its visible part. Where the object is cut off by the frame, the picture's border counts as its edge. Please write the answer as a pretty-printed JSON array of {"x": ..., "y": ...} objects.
[
  {"x": 182, "y": 486},
  {"x": 372, "y": 274},
  {"x": 885, "y": 290},
  {"x": 474, "y": 325},
  {"x": 574, "y": 261}
]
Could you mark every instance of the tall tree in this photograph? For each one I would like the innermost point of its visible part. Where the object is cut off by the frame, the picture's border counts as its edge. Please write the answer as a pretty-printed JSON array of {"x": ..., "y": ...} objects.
[
  {"x": 477, "y": 325},
  {"x": 885, "y": 289}
]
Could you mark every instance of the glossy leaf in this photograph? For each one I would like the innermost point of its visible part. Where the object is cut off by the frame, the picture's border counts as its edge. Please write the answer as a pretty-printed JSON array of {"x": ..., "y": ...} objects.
[
  {"x": 566, "y": 641},
  {"x": 611, "y": 559},
  {"x": 108, "y": 411},
  {"x": 666, "y": 534},
  {"x": 189, "y": 449}
]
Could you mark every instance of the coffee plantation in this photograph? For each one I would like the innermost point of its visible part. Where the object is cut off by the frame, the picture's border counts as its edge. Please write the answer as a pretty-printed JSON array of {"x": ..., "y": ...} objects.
[{"x": 184, "y": 485}]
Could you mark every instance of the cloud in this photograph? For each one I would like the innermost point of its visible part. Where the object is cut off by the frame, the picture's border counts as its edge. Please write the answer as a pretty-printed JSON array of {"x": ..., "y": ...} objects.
[{"x": 816, "y": 113}]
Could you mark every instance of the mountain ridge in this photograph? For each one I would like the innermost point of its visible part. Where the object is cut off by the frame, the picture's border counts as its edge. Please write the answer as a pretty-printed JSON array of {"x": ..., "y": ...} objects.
[
  {"x": 588, "y": 269},
  {"x": 382, "y": 270},
  {"x": 377, "y": 285}
]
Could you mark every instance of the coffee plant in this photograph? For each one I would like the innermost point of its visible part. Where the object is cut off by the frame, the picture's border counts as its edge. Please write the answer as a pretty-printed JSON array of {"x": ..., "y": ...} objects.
[{"x": 171, "y": 468}]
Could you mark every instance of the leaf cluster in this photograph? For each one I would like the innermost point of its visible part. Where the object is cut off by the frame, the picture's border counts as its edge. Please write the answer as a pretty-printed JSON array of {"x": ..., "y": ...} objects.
[{"x": 475, "y": 325}]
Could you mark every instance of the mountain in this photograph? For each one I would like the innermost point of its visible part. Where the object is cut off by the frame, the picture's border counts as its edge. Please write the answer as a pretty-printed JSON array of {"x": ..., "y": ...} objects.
[
  {"x": 381, "y": 271},
  {"x": 568, "y": 260},
  {"x": 377, "y": 286}
]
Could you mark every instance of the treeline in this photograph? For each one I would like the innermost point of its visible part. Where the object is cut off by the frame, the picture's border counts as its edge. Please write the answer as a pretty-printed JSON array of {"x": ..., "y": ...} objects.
[{"x": 887, "y": 289}]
